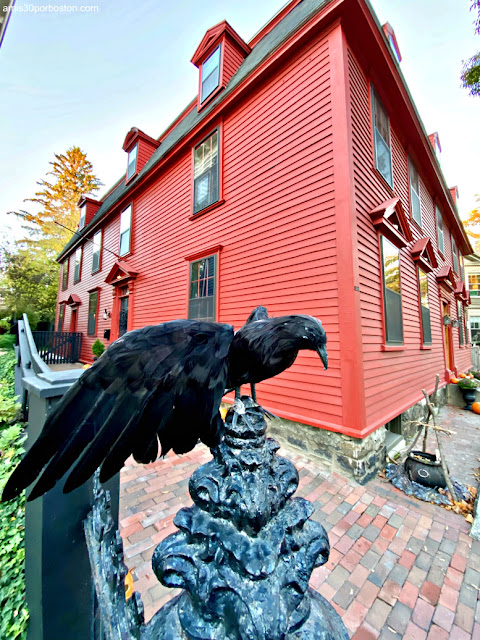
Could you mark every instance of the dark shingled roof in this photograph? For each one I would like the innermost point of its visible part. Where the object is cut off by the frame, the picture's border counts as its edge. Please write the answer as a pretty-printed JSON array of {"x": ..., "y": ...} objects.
[{"x": 298, "y": 16}]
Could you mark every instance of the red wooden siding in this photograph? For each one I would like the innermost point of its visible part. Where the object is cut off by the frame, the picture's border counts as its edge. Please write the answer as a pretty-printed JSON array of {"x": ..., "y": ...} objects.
[
  {"x": 145, "y": 150},
  {"x": 111, "y": 238},
  {"x": 393, "y": 374},
  {"x": 232, "y": 59},
  {"x": 292, "y": 232},
  {"x": 277, "y": 175}
]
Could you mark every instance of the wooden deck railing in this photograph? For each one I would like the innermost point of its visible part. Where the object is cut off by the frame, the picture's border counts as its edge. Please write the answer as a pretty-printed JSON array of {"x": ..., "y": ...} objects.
[{"x": 55, "y": 347}]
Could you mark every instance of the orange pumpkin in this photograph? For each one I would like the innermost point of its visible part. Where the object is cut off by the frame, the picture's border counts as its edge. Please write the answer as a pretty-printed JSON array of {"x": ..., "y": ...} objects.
[
  {"x": 476, "y": 407},
  {"x": 462, "y": 375},
  {"x": 471, "y": 376},
  {"x": 454, "y": 380}
]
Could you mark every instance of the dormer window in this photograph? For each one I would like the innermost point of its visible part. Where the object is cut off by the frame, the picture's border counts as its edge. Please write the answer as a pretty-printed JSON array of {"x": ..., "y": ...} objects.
[
  {"x": 83, "y": 216},
  {"x": 132, "y": 162},
  {"x": 210, "y": 74}
]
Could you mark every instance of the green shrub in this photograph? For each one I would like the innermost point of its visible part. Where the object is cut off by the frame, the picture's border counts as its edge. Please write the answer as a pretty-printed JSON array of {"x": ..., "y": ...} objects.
[
  {"x": 98, "y": 348},
  {"x": 14, "y": 615},
  {"x": 7, "y": 340}
]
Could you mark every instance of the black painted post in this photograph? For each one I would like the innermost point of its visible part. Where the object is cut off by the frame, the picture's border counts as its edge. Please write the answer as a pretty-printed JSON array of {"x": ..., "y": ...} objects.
[{"x": 60, "y": 591}]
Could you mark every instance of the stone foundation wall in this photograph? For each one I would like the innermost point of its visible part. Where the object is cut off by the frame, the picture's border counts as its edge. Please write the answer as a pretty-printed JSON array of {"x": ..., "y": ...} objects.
[
  {"x": 354, "y": 457},
  {"x": 360, "y": 459}
]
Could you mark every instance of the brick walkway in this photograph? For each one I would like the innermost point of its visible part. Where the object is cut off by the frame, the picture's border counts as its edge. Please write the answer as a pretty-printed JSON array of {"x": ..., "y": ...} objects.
[{"x": 398, "y": 568}]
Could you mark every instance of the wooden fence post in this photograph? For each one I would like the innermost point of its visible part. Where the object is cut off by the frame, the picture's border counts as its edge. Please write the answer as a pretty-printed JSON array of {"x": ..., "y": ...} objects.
[{"x": 59, "y": 586}]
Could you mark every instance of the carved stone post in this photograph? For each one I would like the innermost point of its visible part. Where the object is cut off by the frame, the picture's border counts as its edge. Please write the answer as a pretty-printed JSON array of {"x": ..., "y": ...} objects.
[{"x": 245, "y": 551}]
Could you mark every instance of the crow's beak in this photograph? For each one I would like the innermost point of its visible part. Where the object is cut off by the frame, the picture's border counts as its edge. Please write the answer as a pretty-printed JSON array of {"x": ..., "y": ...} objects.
[{"x": 322, "y": 352}]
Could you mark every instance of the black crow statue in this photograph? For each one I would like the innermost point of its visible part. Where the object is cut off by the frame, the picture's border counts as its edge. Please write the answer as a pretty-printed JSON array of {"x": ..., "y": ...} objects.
[{"x": 162, "y": 384}]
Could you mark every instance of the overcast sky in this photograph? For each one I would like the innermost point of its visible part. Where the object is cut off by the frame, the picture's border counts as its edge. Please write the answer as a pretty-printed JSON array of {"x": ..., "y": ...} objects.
[{"x": 85, "y": 79}]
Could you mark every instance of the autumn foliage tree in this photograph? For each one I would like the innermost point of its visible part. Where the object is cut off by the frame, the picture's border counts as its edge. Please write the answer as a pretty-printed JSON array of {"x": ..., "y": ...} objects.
[
  {"x": 472, "y": 222},
  {"x": 73, "y": 178},
  {"x": 29, "y": 278}
]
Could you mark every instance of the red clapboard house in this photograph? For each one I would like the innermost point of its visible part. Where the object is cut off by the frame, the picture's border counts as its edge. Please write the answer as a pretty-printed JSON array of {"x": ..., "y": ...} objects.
[{"x": 300, "y": 178}]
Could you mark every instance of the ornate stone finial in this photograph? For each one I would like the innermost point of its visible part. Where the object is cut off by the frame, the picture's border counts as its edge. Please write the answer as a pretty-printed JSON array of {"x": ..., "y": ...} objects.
[{"x": 245, "y": 551}]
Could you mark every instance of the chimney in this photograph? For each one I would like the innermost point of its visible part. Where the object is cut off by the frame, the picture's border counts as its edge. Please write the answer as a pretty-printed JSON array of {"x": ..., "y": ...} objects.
[
  {"x": 454, "y": 194},
  {"x": 392, "y": 41},
  {"x": 435, "y": 142}
]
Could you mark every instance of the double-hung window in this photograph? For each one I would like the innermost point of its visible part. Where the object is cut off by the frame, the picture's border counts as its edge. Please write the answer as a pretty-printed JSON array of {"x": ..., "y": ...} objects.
[
  {"x": 440, "y": 239},
  {"x": 415, "y": 207},
  {"x": 392, "y": 298},
  {"x": 83, "y": 216},
  {"x": 61, "y": 316},
  {"x": 474, "y": 284},
  {"x": 202, "y": 291},
  {"x": 455, "y": 255},
  {"x": 78, "y": 265},
  {"x": 210, "y": 74},
  {"x": 425, "y": 307},
  {"x": 92, "y": 313},
  {"x": 475, "y": 329},
  {"x": 206, "y": 173},
  {"x": 97, "y": 248},
  {"x": 461, "y": 332},
  {"x": 125, "y": 225},
  {"x": 381, "y": 139},
  {"x": 65, "y": 274},
  {"x": 132, "y": 162}
]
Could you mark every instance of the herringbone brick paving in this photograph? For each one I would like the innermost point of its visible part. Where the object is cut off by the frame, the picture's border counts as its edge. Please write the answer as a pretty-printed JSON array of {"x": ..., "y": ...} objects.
[{"x": 398, "y": 568}]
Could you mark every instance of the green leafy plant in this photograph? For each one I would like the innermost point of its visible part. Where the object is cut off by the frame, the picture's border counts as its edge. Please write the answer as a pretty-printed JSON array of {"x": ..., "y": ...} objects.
[
  {"x": 467, "y": 383},
  {"x": 5, "y": 324},
  {"x": 98, "y": 348},
  {"x": 14, "y": 616},
  {"x": 476, "y": 374},
  {"x": 7, "y": 341}
]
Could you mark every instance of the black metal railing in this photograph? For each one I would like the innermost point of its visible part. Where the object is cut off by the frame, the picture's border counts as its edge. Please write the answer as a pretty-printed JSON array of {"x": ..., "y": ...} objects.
[{"x": 55, "y": 347}]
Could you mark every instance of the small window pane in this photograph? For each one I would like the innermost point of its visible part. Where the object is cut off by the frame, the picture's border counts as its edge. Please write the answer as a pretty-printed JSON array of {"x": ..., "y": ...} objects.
[
  {"x": 425, "y": 307},
  {"x": 125, "y": 223},
  {"x": 455, "y": 256},
  {"x": 202, "y": 289},
  {"x": 392, "y": 293},
  {"x": 61, "y": 315},
  {"x": 381, "y": 139},
  {"x": 383, "y": 160},
  {"x": 132, "y": 162},
  {"x": 205, "y": 173},
  {"x": 83, "y": 215},
  {"x": 460, "y": 322},
  {"x": 440, "y": 230},
  {"x": 65, "y": 274},
  {"x": 415, "y": 206},
  {"x": 474, "y": 285},
  {"x": 78, "y": 264},
  {"x": 210, "y": 74},
  {"x": 92, "y": 313},
  {"x": 97, "y": 245}
]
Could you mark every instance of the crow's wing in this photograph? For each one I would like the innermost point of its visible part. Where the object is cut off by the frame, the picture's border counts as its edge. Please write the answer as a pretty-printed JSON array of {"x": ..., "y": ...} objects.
[{"x": 162, "y": 383}]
